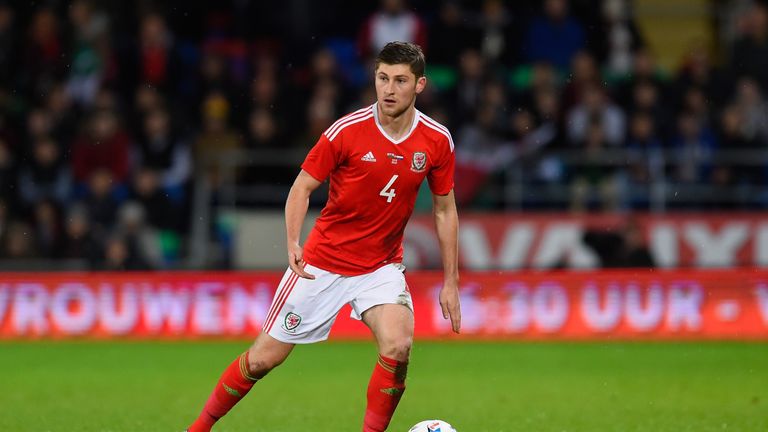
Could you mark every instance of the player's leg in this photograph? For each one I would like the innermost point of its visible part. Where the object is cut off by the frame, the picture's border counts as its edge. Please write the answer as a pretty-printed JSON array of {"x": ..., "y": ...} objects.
[
  {"x": 302, "y": 312},
  {"x": 238, "y": 378},
  {"x": 265, "y": 354},
  {"x": 392, "y": 326},
  {"x": 385, "y": 305}
]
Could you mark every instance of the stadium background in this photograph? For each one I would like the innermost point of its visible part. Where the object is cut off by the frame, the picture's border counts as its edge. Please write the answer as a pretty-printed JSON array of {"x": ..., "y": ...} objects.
[{"x": 611, "y": 172}]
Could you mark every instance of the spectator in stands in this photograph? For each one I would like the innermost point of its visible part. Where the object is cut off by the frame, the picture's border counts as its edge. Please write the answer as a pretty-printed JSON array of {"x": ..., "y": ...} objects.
[
  {"x": 554, "y": 36},
  {"x": 596, "y": 109},
  {"x": 155, "y": 55},
  {"x": 63, "y": 116},
  {"x": 106, "y": 99},
  {"x": 263, "y": 131},
  {"x": 644, "y": 67},
  {"x": 536, "y": 78},
  {"x": 644, "y": 70},
  {"x": 147, "y": 54},
  {"x": 464, "y": 99},
  {"x": 749, "y": 53},
  {"x": 697, "y": 70},
  {"x": 546, "y": 106},
  {"x": 141, "y": 239},
  {"x": 265, "y": 91},
  {"x": 616, "y": 38},
  {"x": 8, "y": 133},
  {"x": 646, "y": 99},
  {"x": 450, "y": 35},
  {"x": 320, "y": 113},
  {"x": 584, "y": 74},
  {"x": 263, "y": 134},
  {"x": 480, "y": 153},
  {"x": 157, "y": 208},
  {"x": 496, "y": 34},
  {"x": 162, "y": 150},
  {"x": 79, "y": 242},
  {"x": 592, "y": 179},
  {"x": 735, "y": 132},
  {"x": 494, "y": 96},
  {"x": 635, "y": 252},
  {"x": 19, "y": 241},
  {"x": 8, "y": 175},
  {"x": 734, "y": 135},
  {"x": 546, "y": 167},
  {"x": 216, "y": 134},
  {"x": 695, "y": 103},
  {"x": 120, "y": 255},
  {"x": 90, "y": 53},
  {"x": 624, "y": 247},
  {"x": 88, "y": 23},
  {"x": 391, "y": 22},
  {"x": 543, "y": 77},
  {"x": 101, "y": 201},
  {"x": 5, "y": 217},
  {"x": 694, "y": 149},
  {"x": 325, "y": 93},
  {"x": 145, "y": 99},
  {"x": 44, "y": 59},
  {"x": 103, "y": 145},
  {"x": 45, "y": 175},
  {"x": 324, "y": 72},
  {"x": 753, "y": 109},
  {"x": 8, "y": 44},
  {"x": 39, "y": 125},
  {"x": 216, "y": 138},
  {"x": 47, "y": 228},
  {"x": 215, "y": 77},
  {"x": 645, "y": 157},
  {"x": 529, "y": 137},
  {"x": 480, "y": 140}
]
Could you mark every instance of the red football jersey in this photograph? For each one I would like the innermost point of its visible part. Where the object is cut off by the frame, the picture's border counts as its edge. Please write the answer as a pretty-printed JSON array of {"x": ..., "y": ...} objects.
[{"x": 374, "y": 181}]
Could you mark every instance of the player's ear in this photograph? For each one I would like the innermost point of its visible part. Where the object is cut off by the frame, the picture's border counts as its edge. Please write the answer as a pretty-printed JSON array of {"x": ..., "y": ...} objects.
[{"x": 420, "y": 84}]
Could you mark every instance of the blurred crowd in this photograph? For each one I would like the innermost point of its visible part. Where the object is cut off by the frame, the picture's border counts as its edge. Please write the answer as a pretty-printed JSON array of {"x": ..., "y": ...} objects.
[{"x": 110, "y": 110}]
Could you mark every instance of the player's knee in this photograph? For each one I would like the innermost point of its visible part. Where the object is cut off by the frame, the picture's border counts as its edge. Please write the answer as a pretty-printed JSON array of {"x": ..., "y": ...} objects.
[
  {"x": 398, "y": 348},
  {"x": 260, "y": 365}
]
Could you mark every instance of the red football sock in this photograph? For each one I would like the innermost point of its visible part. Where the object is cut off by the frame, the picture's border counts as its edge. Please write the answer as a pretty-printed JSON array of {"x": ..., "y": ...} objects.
[
  {"x": 384, "y": 391},
  {"x": 233, "y": 385}
]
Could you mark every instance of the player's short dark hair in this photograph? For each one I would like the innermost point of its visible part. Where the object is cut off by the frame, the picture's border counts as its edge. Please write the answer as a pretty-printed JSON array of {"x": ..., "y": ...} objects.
[{"x": 403, "y": 53}]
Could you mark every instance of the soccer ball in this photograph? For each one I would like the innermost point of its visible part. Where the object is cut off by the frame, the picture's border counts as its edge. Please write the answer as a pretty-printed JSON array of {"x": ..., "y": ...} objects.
[{"x": 432, "y": 426}]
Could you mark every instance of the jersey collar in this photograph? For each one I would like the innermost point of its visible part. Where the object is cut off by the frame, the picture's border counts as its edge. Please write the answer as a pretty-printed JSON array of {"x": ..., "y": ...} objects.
[{"x": 381, "y": 129}]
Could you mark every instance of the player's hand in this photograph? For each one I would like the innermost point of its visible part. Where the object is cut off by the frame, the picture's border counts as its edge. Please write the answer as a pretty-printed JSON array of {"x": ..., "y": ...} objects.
[
  {"x": 451, "y": 306},
  {"x": 296, "y": 261}
]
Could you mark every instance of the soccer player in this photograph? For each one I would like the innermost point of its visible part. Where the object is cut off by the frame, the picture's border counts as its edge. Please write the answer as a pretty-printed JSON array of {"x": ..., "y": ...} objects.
[{"x": 375, "y": 159}]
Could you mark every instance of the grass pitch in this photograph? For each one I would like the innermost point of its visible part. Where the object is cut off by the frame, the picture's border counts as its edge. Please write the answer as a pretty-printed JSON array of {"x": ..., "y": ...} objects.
[{"x": 479, "y": 387}]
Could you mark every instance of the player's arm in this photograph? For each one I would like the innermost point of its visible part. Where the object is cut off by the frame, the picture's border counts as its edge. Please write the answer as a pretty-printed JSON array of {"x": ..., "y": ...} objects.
[
  {"x": 295, "y": 211},
  {"x": 447, "y": 226}
]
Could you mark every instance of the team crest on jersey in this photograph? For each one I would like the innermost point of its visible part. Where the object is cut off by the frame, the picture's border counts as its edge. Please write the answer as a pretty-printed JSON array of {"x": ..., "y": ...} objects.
[
  {"x": 292, "y": 321},
  {"x": 419, "y": 162}
]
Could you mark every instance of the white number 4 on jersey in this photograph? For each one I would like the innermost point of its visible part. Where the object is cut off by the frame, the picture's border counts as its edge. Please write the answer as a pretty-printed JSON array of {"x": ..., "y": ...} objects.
[{"x": 390, "y": 194}]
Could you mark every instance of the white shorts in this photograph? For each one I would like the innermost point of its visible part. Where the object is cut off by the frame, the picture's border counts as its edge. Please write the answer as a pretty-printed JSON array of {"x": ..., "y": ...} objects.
[{"x": 304, "y": 310}]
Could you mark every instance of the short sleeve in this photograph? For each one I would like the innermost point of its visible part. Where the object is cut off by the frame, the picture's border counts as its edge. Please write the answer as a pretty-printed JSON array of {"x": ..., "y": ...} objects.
[
  {"x": 440, "y": 177},
  {"x": 322, "y": 159}
]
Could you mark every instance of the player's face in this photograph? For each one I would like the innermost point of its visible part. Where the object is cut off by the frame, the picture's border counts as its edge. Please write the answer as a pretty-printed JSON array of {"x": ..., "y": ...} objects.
[{"x": 396, "y": 88}]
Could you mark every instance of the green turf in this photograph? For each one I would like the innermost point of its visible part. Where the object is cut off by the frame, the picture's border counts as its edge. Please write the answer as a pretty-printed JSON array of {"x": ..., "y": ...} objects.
[{"x": 479, "y": 387}]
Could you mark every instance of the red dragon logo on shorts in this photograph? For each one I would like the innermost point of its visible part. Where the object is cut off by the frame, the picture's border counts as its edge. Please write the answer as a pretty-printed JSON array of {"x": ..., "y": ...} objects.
[{"x": 292, "y": 321}]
